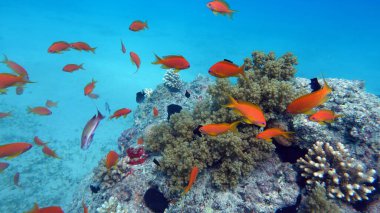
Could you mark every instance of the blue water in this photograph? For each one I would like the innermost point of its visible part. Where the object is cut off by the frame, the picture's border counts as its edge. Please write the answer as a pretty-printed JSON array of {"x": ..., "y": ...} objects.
[{"x": 338, "y": 39}]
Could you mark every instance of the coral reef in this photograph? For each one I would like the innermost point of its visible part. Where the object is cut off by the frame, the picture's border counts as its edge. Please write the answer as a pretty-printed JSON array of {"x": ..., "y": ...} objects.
[
  {"x": 317, "y": 202},
  {"x": 344, "y": 177},
  {"x": 148, "y": 92},
  {"x": 172, "y": 81},
  {"x": 112, "y": 205}
]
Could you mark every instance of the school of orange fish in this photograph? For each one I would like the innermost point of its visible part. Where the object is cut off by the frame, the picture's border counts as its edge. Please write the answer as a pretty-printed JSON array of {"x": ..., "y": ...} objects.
[{"x": 249, "y": 112}]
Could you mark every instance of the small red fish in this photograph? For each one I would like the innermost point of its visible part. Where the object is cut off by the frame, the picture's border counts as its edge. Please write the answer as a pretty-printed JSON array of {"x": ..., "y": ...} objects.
[
  {"x": 39, "y": 110},
  {"x": 252, "y": 113},
  {"x": 220, "y": 7},
  {"x": 3, "y": 166},
  {"x": 50, "y": 209},
  {"x": 82, "y": 46},
  {"x": 58, "y": 47},
  {"x": 51, "y": 104},
  {"x": 72, "y": 67},
  {"x": 138, "y": 25},
  {"x": 93, "y": 96},
  {"x": 112, "y": 159},
  {"x": 89, "y": 87},
  {"x": 16, "y": 179},
  {"x": 12, "y": 150},
  {"x": 270, "y": 133},
  {"x": 5, "y": 114},
  {"x": 121, "y": 112},
  {"x": 324, "y": 116},
  {"x": 225, "y": 69},
  {"x": 15, "y": 67},
  {"x": 123, "y": 49},
  {"x": 140, "y": 141},
  {"x": 176, "y": 62},
  {"x": 155, "y": 111},
  {"x": 85, "y": 208},
  {"x": 135, "y": 59},
  {"x": 193, "y": 177},
  {"x": 49, "y": 152},
  {"x": 9, "y": 80},
  {"x": 218, "y": 129},
  {"x": 38, "y": 141}
]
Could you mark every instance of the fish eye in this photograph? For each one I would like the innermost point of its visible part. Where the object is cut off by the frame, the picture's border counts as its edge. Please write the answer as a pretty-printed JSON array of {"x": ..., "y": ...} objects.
[{"x": 209, "y": 71}]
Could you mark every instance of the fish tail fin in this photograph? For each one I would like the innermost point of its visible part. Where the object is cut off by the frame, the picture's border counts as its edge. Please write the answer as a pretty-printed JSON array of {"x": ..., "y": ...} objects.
[
  {"x": 326, "y": 86},
  {"x": 3, "y": 91},
  {"x": 242, "y": 72},
  {"x": 5, "y": 59},
  {"x": 146, "y": 24},
  {"x": 81, "y": 66},
  {"x": 35, "y": 209},
  {"x": 158, "y": 60},
  {"x": 93, "y": 49},
  {"x": 29, "y": 109},
  {"x": 339, "y": 116},
  {"x": 287, "y": 134},
  {"x": 232, "y": 103},
  {"x": 231, "y": 13},
  {"x": 234, "y": 125}
]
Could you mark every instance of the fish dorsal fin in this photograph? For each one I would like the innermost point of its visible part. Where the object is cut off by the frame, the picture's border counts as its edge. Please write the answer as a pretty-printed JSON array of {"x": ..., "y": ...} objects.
[
  {"x": 226, "y": 60},
  {"x": 224, "y": 2},
  {"x": 171, "y": 56}
]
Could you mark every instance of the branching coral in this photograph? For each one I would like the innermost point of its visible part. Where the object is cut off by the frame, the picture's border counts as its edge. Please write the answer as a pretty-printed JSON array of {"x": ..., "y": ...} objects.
[
  {"x": 112, "y": 205},
  {"x": 343, "y": 176},
  {"x": 172, "y": 81}
]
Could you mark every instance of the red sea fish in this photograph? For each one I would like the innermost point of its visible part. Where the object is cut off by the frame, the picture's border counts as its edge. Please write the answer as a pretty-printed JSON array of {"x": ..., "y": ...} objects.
[
  {"x": 49, "y": 152},
  {"x": 176, "y": 62},
  {"x": 121, "y": 112},
  {"x": 324, "y": 116},
  {"x": 85, "y": 208},
  {"x": 16, "y": 67},
  {"x": 218, "y": 129},
  {"x": 123, "y": 49},
  {"x": 12, "y": 150},
  {"x": 50, "y": 209},
  {"x": 72, "y": 67},
  {"x": 193, "y": 177},
  {"x": 140, "y": 141},
  {"x": 89, "y": 87},
  {"x": 226, "y": 68},
  {"x": 51, "y": 104},
  {"x": 58, "y": 47},
  {"x": 5, "y": 114},
  {"x": 220, "y": 7},
  {"x": 9, "y": 80},
  {"x": 89, "y": 130},
  {"x": 16, "y": 179},
  {"x": 135, "y": 59},
  {"x": 82, "y": 46},
  {"x": 138, "y": 25},
  {"x": 270, "y": 133},
  {"x": 3, "y": 166},
  {"x": 38, "y": 141},
  {"x": 155, "y": 111},
  {"x": 111, "y": 160},
  {"x": 39, "y": 110}
]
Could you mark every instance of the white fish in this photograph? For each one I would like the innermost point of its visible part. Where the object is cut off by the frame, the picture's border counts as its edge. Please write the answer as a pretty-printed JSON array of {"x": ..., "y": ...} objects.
[{"x": 89, "y": 130}]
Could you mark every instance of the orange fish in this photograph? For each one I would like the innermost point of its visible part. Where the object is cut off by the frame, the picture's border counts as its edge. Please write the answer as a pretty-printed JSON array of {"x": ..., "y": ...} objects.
[
  {"x": 15, "y": 67},
  {"x": 39, "y": 110},
  {"x": 220, "y": 7},
  {"x": 39, "y": 142},
  {"x": 218, "y": 129},
  {"x": 12, "y": 150},
  {"x": 111, "y": 160},
  {"x": 268, "y": 134},
  {"x": 121, "y": 112},
  {"x": 89, "y": 87},
  {"x": 226, "y": 68},
  {"x": 5, "y": 114},
  {"x": 58, "y": 47},
  {"x": 140, "y": 141},
  {"x": 72, "y": 67},
  {"x": 324, "y": 116},
  {"x": 50, "y": 209},
  {"x": 305, "y": 103},
  {"x": 135, "y": 59},
  {"x": 9, "y": 80},
  {"x": 252, "y": 114},
  {"x": 3, "y": 166},
  {"x": 85, "y": 208},
  {"x": 138, "y": 25},
  {"x": 155, "y": 111},
  {"x": 176, "y": 62},
  {"x": 50, "y": 104},
  {"x": 193, "y": 176},
  {"x": 49, "y": 152},
  {"x": 16, "y": 179},
  {"x": 93, "y": 96},
  {"x": 82, "y": 46},
  {"x": 123, "y": 49}
]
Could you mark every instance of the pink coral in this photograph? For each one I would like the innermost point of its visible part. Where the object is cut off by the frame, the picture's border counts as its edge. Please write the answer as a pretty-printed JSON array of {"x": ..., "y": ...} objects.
[{"x": 136, "y": 155}]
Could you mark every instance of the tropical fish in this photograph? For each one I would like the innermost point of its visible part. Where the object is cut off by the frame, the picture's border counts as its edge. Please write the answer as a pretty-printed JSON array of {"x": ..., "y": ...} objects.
[
  {"x": 16, "y": 179},
  {"x": 324, "y": 116},
  {"x": 138, "y": 25},
  {"x": 140, "y": 96},
  {"x": 252, "y": 114},
  {"x": 225, "y": 69},
  {"x": 50, "y": 209},
  {"x": 140, "y": 141},
  {"x": 89, "y": 130},
  {"x": 15, "y": 67},
  {"x": 305, "y": 103},
  {"x": 155, "y": 111},
  {"x": 220, "y": 7},
  {"x": 121, "y": 112},
  {"x": 111, "y": 160},
  {"x": 3, "y": 166},
  {"x": 123, "y": 49},
  {"x": 176, "y": 62},
  {"x": 38, "y": 141},
  {"x": 268, "y": 134},
  {"x": 82, "y": 46},
  {"x": 5, "y": 114},
  {"x": 314, "y": 84},
  {"x": 50, "y": 103},
  {"x": 40, "y": 110},
  {"x": 155, "y": 161},
  {"x": 13, "y": 150},
  {"x": 72, "y": 67},
  {"x": 187, "y": 94},
  {"x": 85, "y": 208},
  {"x": 49, "y": 152},
  {"x": 58, "y": 47},
  {"x": 89, "y": 87},
  {"x": 9, "y": 80},
  {"x": 193, "y": 176},
  {"x": 218, "y": 129},
  {"x": 172, "y": 109},
  {"x": 135, "y": 59}
]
